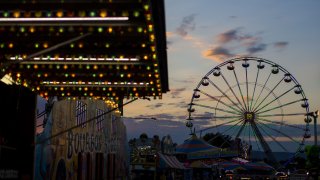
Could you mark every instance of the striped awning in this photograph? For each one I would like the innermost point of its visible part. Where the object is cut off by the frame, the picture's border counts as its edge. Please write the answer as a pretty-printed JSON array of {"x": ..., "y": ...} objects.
[{"x": 171, "y": 161}]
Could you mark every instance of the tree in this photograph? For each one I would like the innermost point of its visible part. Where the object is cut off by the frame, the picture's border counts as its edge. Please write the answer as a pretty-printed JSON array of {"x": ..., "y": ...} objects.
[{"x": 218, "y": 140}]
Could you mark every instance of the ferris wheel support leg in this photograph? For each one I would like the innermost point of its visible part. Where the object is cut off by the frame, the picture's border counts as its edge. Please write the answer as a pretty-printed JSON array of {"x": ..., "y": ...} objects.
[{"x": 265, "y": 145}]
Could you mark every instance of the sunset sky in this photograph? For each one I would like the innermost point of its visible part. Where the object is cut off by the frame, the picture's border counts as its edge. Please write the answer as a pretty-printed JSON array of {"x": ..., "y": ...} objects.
[{"x": 201, "y": 34}]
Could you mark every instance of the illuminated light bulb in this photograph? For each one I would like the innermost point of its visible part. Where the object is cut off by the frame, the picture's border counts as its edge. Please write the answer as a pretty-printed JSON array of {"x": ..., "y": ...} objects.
[
  {"x": 2, "y": 45},
  {"x": 58, "y": 66},
  {"x": 150, "y": 27},
  {"x": 146, "y": 7},
  {"x": 150, "y": 75},
  {"x": 110, "y": 89},
  {"x": 88, "y": 66},
  {"x": 32, "y": 29},
  {"x": 148, "y": 17},
  {"x": 38, "y": 88},
  {"x": 70, "y": 13},
  {"x": 45, "y": 45},
  {"x": 82, "y": 13},
  {"x": 91, "y": 94},
  {"x": 110, "y": 29},
  {"x": 100, "y": 29},
  {"x": 129, "y": 75},
  {"x": 107, "y": 45},
  {"x": 11, "y": 45},
  {"x": 49, "y": 14},
  {"x": 5, "y": 14},
  {"x": 145, "y": 57},
  {"x": 125, "y": 67},
  {"x": 154, "y": 56},
  {"x": 61, "y": 89},
  {"x": 16, "y": 13},
  {"x": 94, "y": 75},
  {"x": 134, "y": 89},
  {"x": 38, "y": 14},
  {"x": 125, "y": 13},
  {"x": 28, "y": 66},
  {"x": 143, "y": 45},
  {"x": 92, "y": 14},
  {"x": 148, "y": 68},
  {"x": 79, "y": 88},
  {"x": 155, "y": 65},
  {"x": 35, "y": 66},
  {"x": 66, "y": 75},
  {"x": 95, "y": 67},
  {"x": 22, "y": 29},
  {"x": 46, "y": 75},
  {"x": 136, "y": 13},
  {"x": 113, "y": 94},
  {"x": 73, "y": 75},
  {"x": 103, "y": 13},
  {"x": 68, "y": 94},
  {"x": 140, "y": 29},
  {"x": 61, "y": 30},
  {"x": 59, "y": 13},
  {"x": 151, "y": 82},
  {"x": 65, "y": 67},
  {"x": 86, "y": 89},
  {"x": 101, "y": 75},
  {"x": 80, "y": 45},
  {"x": 36, "y": 45},
  {"x": 121, "y": 75},
  {"x": 72, "y": 45},
  {"x": 104, "y": 89},
  {"x": 18, "y": 75}
]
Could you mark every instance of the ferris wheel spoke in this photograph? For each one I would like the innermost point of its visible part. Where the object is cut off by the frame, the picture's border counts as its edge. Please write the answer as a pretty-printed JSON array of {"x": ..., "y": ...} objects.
[
  {"x": 280, "y": 123},
  {"x": 226, "y": 117},
  {"x": 268, "y": 94},
  {"x": 219, "y": 109},
  {"x": 216, "y": 99},
  {"x": 236, "y": 77},
  {"x": 234, "y": 94},
  {"x": 256, "y": 139},
  {"x": 273, "y": 138},
  {"x": 224, "y": 94},
  {"x": 225, "y": 141},
  {"x": 222, "y": 124},
  {"x": 248, "y": 108},
  {"x": 280, "y": 132},
  {"x": 228, "y": 129},
  {"x": 241, "y": 129},
  {"x": 262, "y": 89},
  {"x": 287, "y": 104},
  {"x": 275, "y": 99},
  {"x": 254, "y": 88}
]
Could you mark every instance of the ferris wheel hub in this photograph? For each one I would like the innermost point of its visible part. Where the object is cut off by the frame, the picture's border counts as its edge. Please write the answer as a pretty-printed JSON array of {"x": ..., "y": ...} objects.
[{"x": 249, "y": 116}]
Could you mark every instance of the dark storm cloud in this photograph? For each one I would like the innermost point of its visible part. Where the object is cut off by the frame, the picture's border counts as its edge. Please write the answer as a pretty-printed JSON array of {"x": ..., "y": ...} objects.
[
  {"x": 187, "y": 24},
  {"x": 256, "y": 48},
  {"x": 280, "y": 44}
]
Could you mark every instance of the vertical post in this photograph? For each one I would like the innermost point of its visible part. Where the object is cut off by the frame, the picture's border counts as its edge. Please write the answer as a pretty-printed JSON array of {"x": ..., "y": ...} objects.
[{"x": 315, "y": 116}]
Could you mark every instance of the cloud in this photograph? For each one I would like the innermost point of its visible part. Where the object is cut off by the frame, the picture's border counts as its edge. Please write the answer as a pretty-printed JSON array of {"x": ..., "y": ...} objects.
[
  {"x": 155, "y": 106},
  {"x": 256, "y": 48},
  {"x": 217, "y": 54},
  {"x": 234, "y": 42},
  {"x": 228, "y": 36},
  {"x": 280, "y": 45},
  {"x": 187, "y": 24},
  {"x": 175, "y": 93}
]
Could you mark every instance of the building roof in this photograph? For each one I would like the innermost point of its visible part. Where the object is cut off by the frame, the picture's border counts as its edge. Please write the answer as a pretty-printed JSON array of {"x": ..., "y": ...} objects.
[
  {"x": 194, "y": 144},
  {"x": 79, "y": 48}
]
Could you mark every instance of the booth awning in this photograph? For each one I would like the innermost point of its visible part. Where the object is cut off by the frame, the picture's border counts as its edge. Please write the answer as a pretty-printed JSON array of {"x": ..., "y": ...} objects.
[{"x": 171, "y": 161}]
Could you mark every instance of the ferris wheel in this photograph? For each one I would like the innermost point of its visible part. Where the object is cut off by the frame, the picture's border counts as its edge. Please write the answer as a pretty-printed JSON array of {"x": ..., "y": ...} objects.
[{"x": 255, "y": 100}]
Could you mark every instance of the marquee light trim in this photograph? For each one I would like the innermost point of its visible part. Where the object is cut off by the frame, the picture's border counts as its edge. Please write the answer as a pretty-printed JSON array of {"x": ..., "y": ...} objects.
[{"x": 53, "y": 19}]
